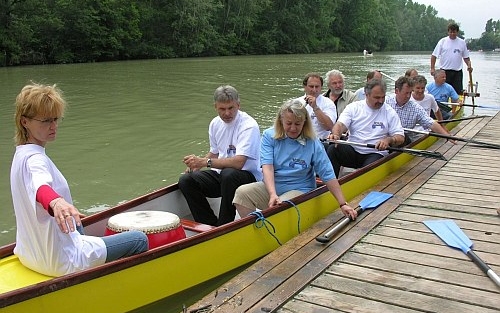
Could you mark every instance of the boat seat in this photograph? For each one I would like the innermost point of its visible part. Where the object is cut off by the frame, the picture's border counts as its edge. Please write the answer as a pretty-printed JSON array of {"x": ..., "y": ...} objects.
[{"x": 195, "y": 226}]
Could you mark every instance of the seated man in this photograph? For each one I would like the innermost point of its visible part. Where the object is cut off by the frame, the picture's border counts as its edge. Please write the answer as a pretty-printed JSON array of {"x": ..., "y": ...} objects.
[
  {"x": 360, "y": 93},
  {"x": 442, "y": 91},
  {"x": 340, "y": 96},
  {"x": 426, "y": 100},
  {"x": 409, "y": 112},
  {"x": 369, "y": 121},
  {"x": 233, "y": 160},
  {"x": 320, "y": 108}
]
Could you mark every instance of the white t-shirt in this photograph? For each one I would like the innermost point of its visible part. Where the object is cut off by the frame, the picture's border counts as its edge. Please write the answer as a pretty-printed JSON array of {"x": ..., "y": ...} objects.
[
  {"x": 367, "y": 125},
  {"x": 328, "y": 107},
  {"x": 240, "y": 137},
  {"x": 451, "y": 53},
  {"x": 360, "y": 93},
  {"x": 40, "y": 244},
  {"x": 428, "y": 103}
]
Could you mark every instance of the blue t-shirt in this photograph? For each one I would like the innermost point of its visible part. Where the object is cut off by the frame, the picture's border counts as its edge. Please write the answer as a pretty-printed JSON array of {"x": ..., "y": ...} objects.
[
  {"x": 443, "y": 92},
  {"x": 295, "y": 163}
]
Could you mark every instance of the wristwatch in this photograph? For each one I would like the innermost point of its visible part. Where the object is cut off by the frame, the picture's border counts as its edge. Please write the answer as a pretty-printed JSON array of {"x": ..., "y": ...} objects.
[
  {"x": 345, "y": 203},
  {"x": 209, "y": 162}
]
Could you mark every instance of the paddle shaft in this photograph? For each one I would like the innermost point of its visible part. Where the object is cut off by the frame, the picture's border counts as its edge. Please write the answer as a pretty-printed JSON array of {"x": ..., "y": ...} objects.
[
  {"x": 419, "y": 153},
  {"x": 485, "y": 144},
  {"x": 329, "y": 234},
  {"x": 462, "y": 119},
  {"x": 471, "y": 83},
  {"x": 484, "y": 267},
  {"x": 471, "y": 105}
]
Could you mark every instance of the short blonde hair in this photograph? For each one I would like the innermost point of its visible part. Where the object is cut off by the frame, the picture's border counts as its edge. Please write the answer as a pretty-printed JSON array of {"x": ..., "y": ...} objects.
[
  {"x": 299, "y": 110},
  {"x": 36, "y": 100}
]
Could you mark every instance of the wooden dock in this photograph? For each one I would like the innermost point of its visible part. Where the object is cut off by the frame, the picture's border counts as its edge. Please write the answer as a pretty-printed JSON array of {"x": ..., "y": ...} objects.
[{"x": 388, "y": 260}]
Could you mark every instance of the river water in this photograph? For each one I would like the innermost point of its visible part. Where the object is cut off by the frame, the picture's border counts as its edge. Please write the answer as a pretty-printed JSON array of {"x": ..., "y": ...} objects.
[{"x": 129, "y": 124}]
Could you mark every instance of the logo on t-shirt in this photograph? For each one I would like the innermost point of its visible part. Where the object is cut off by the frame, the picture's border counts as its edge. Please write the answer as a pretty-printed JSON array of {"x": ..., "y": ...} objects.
[
  {"x": 298, "y": 162},
  {"x": 231, "y": 151},
  {"x": 378, "y": 124}
]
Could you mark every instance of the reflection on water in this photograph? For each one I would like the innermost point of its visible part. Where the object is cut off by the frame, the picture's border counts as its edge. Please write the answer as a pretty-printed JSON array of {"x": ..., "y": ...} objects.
[{"x": 129, "y": 124}]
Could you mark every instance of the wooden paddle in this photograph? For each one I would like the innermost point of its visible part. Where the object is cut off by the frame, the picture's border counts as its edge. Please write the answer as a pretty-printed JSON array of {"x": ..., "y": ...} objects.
[
  {"x": 454, "y": 237},
  {"x": 471, "y": 84},
  {"x": 384, "y": 74},
  {"x": 371, "y": 201},
  {"x": 420, "y": 153},
  {"x": 462, "y": 119},
  {"x": 473, "y": 105},
  {"x": 480, "y": 143}
]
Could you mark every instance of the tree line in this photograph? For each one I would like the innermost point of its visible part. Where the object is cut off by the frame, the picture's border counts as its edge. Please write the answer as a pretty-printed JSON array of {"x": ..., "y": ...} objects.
[
  {"x": 490, "y": 39},
  {"x": 72, "y": 31}
]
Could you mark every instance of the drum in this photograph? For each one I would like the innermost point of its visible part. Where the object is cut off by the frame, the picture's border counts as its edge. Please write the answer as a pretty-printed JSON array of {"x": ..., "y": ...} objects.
[{"x": 160, "y": 227}]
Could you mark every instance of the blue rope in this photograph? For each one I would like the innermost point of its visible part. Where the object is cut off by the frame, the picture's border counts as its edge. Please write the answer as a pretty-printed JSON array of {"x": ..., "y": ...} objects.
[
  {"x": 262, "y": 221},
  {"x": 298, "y": 214}
]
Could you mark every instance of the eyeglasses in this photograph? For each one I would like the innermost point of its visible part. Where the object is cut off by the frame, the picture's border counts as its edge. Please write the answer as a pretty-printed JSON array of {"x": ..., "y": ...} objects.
[{"x": 48, "y": 121}]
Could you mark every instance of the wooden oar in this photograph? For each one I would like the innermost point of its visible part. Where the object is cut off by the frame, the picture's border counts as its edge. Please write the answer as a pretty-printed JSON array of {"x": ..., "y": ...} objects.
[
  {"x": 471, "y": 84},
  {"x": 384, "y": 74},
  {"x": 473, "y": 105},
  {"x": 371, "y": 201},
  {"x": 481, "y": 143},
  {"x": 420, "y": 153},
  {"x": 454, "y": 237},
  {"x": 463, "y": 119}
]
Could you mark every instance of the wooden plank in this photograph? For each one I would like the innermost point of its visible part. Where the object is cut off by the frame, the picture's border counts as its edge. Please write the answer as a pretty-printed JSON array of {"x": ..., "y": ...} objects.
[
  {"x": 296, "y": 306},
  {"x": 398, "y": 297},
  {"x": 488, "y": 224},
  {"x": 415, "y": 278},
  {"x": 436, "y": 249},
  {"x": 344, "y": 302},
  {"x": 418, "y": 257},
  {"x": 424, "y": 235}
]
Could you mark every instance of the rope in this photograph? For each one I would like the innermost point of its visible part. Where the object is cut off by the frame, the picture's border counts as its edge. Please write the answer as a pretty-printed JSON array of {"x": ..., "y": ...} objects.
[
  {"x": 298, "y": 214},
  {"x": 261, "y": 221}
]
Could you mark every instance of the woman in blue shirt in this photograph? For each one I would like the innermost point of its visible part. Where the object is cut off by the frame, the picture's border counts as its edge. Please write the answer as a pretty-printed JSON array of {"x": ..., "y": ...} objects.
[{"x": 290, "y": 156}]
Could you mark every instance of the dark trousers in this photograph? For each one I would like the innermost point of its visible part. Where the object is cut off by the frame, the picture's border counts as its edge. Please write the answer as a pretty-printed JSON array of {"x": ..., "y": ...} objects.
[
  {"x": 345, "y": 155},
  {"x": 455, "y": 79},
  {"x": 199, "y": 185}
]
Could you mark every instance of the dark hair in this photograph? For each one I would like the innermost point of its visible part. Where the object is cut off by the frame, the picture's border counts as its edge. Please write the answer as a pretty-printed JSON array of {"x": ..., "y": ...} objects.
[
  {"x": 401, "y": 81},
  {"x": 309, "y": 75},
  {"x": 372, "y": 83},
  {"x": 453, "y": 26}
]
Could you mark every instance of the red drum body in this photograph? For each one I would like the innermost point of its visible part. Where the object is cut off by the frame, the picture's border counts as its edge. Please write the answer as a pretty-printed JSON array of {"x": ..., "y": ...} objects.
[{"x": 160, "y": 227}]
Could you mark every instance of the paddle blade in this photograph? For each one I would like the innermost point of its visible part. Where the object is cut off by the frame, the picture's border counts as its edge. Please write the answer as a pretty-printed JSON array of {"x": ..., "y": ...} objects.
[
  {"x": 450, "y": 233},
  {"x": 374, "y": 199}
]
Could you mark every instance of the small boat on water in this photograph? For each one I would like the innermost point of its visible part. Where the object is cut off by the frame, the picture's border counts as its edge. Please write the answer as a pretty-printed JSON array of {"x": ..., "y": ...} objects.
[
  {"x": 205, "y": 252},
  {"x": 367, "y": 53}
]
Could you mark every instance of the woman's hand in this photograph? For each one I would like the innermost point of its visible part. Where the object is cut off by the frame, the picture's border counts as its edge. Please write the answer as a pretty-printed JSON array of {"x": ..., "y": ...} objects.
[
  {"x": 65, "y": 213},
  {"x": 349, "y": 212}
]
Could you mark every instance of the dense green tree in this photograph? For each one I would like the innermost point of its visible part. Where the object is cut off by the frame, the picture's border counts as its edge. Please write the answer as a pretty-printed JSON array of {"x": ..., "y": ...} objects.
[{"x": 64, "y": 31}]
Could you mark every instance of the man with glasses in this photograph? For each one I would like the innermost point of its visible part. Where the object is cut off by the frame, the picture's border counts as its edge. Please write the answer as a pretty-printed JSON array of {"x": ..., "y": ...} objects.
[
  {"x": 232, "y": 161},
  {"x": 451, "y": 50}
]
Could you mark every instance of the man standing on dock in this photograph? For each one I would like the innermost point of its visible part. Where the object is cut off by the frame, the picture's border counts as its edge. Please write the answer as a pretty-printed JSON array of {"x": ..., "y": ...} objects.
[{"x": 451, "y": 50}]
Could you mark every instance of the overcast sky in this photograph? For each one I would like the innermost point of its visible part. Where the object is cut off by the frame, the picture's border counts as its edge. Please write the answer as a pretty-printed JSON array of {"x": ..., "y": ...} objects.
[{"x": 471, "y": 15}]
